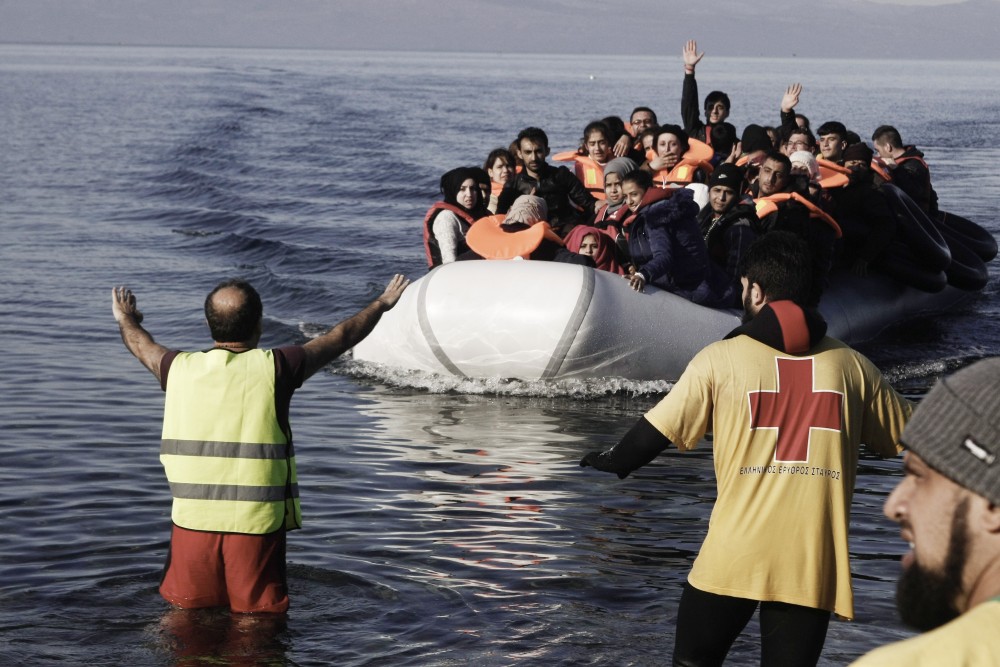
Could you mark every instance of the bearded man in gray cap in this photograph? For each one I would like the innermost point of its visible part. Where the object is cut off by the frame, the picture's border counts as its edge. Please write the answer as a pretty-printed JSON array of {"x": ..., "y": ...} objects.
[{"x": 948, "y": 507}]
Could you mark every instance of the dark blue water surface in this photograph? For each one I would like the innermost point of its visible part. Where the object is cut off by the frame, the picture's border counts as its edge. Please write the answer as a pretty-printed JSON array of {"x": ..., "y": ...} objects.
[{"x": 447, "y": 522}]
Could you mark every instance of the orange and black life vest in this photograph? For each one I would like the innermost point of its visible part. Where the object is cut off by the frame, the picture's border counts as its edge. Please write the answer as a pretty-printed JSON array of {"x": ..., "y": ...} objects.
[
  {"x": 430, "y": 243},
  {"x": 831, "y": 174},
  {"x": 588, "y": 170},
  {"x": 698, "y": 156},
  {"x": 769, "y": 204}
]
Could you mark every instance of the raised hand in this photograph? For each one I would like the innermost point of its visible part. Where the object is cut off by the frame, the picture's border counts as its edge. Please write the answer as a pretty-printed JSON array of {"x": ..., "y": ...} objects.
[
  {"x": 691, "y": 55},
  {"x": 393, "y": 291},
  {"x": 123, "y": 304},
  {"x": 791, "y": 97}
]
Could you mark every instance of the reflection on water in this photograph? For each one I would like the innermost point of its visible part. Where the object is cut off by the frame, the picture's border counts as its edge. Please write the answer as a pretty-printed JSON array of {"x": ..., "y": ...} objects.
[{"x": 212, "y": 636}]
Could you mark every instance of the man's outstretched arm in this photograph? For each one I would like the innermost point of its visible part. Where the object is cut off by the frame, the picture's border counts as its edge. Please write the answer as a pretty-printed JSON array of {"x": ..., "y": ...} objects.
[
  {"x": 322, "y": 350},
  {"x": 138, "y": 341},
  {"x": 641, "y": 444}
]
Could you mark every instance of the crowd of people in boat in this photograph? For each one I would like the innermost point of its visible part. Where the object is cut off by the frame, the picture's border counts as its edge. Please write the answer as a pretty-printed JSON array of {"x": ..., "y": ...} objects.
[{"x": 622, "y": 205}]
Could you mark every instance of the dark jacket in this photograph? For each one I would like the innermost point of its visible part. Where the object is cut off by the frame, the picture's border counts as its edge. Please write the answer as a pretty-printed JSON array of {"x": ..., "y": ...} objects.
[
  {"x": 864, "y": 216},
  {"x": 691, "y": 112},
  {"x": 792, "y": 216},
  {"x": 912, "y": 176},
  {"x": 561, "y": 190},
  {"x": 666, "y": 246},
  {"x": 729, "y": 237}
]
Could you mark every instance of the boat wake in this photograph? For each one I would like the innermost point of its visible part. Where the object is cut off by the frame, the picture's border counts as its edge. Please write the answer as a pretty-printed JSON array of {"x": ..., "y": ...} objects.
[{"x": 443, "y": 384}]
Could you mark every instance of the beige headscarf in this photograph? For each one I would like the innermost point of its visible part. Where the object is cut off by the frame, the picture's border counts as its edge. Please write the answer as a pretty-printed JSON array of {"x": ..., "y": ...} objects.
[{"x": 527, "y": 209}]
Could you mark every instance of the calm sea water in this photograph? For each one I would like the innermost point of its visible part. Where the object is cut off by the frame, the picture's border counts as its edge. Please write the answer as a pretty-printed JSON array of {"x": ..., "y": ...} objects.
[{"x": 447, "y": 522}]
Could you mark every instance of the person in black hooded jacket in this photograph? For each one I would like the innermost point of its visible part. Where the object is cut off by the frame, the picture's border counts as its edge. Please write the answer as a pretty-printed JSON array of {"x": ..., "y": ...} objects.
[{"x": 728, "y": 221}]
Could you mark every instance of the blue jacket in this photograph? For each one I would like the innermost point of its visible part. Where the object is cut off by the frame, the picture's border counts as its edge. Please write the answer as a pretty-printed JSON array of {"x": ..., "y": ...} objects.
[{"x": 667, "y": 247}]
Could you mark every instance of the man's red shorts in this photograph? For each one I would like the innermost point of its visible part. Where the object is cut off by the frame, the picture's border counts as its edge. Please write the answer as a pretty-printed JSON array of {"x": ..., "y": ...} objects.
[{"x": 243, "y": 572}]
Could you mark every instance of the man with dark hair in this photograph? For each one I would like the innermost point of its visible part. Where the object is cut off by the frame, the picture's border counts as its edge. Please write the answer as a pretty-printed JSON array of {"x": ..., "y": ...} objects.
[
  {"x": 948, "y": 509},
  {"x": 717, "y": 104},
  {"x": 565, "y": 196},
  {"x": 781, "y": 207},
  {"x": 832, "y": 140},
  {"x": 906, "y": 164},
  {"x": 789, "y": 407},
  {"x": 642, "y": 118},
  {"x": 629, "y": 145},
  {"x": 227, "y": 445},
  {"x": 797, "y": 138}
]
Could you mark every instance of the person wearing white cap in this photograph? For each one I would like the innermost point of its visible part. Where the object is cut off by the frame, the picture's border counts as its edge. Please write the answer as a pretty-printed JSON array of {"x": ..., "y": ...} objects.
[{"x": 948, "y": 509}]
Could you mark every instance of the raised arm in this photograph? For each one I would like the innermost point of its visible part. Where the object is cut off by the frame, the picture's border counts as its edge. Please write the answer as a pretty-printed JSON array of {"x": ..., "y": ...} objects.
[
  {"x": 690, "y": 111},
  {"x": 138, "y": 341},
  {"x": 322, "y": 350},
  {"x": 788, "y": 103}
]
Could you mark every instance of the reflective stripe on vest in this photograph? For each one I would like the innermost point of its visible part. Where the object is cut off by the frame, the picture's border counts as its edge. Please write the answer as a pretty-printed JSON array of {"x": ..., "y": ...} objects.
[{"x": 230, "y": 465}]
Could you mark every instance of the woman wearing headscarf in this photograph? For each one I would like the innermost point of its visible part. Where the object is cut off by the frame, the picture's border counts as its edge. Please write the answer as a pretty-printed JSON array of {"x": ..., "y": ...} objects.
[
  {"x": 448, "y": 221},
  {"x": 523, "y": 233},
  {"x": 613, "y": 216},
  {"x": 597, "y": 245}
]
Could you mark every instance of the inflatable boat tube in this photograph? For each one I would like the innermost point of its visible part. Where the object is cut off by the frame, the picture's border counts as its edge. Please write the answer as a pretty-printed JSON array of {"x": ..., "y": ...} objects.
[
  {"x": 971, "y": 235},
  {"x": 966, "y": 271},
  {"x": 918, "y": 231},
  {"x": 899, "y": 263},
  {"x": 549, "y": 321}
]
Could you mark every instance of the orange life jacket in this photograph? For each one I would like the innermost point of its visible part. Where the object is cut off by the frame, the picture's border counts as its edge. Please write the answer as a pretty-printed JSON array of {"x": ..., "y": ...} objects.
[
  {"x": 430, "y": 243},
  {"x": 588, "y": 170},
  {"x": 831, "y": 174},
  {"x": 878, "y": 166},
  {"x": 768, "y": 205},
  {"x": 698, "y": 156},
  {"x": 487, "y": 239}
]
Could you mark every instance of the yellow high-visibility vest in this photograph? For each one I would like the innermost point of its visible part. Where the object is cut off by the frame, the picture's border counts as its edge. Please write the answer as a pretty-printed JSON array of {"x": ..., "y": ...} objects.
[{"x": 230, "y": 466}]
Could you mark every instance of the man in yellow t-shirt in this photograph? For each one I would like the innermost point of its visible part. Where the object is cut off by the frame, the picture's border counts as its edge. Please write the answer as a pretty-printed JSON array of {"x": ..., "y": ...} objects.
[
  {"x": 788, "y": 407},
  {"x": 948, "y": 507}
]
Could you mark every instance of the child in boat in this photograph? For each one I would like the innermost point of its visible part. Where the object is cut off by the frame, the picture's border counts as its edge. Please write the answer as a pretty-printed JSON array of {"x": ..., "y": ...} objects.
[
  {"x": 613, "y": 215},
  {"x": 590, "y": 158}
]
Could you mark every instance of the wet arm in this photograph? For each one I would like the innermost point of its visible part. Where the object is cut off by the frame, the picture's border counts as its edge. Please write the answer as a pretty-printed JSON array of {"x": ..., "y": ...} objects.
[
  {"x": 137, "y": 340},
  {"x": 324, "y": 349},
  {"x": 641, "y": 444}
]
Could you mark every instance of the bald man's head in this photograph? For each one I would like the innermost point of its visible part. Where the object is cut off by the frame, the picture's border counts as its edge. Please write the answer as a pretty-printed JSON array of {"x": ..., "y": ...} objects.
[{"x": 233, "y": 310}]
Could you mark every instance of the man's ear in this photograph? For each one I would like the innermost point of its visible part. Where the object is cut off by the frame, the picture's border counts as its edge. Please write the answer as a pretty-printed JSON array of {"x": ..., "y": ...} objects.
[{"x": 757, "y": 297}]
